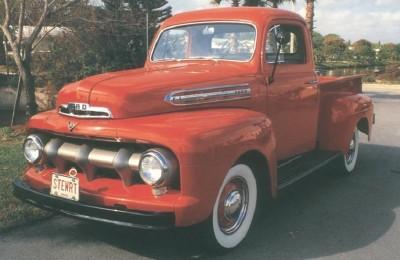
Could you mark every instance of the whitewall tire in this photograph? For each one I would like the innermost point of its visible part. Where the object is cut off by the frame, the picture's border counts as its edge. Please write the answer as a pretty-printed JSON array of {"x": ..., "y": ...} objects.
[
  {"x": 350, "y": 158},
  {"x": 234, "y": 208}
]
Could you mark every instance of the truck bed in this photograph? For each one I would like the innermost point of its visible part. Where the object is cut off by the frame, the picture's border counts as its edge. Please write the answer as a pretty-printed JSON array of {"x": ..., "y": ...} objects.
[
  {"x": 346, "y": 84},
  {"x": 341, "y": 108}
]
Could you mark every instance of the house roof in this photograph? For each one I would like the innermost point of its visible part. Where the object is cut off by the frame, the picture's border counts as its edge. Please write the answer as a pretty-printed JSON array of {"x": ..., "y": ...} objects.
[{"x": 49, "y": 30}]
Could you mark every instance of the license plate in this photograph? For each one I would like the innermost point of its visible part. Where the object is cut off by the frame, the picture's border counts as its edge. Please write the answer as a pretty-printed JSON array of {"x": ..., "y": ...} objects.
[{"x": 65, "y": 187}]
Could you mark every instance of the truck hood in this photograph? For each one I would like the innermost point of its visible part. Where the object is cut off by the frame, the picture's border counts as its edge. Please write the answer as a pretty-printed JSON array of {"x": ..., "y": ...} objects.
[{"x": 141, "y": 92}]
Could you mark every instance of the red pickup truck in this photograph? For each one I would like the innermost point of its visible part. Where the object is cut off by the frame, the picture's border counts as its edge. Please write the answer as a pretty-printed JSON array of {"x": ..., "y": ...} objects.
[{"x": 227, "y": 111}]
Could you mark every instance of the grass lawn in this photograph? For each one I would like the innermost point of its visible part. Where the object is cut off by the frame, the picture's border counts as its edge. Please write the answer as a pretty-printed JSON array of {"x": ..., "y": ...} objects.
[{"x": 12, "y": 162}]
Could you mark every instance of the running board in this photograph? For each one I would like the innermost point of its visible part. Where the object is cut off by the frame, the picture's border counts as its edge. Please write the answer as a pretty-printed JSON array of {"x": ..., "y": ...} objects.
[{"x": 295, "y": 169}]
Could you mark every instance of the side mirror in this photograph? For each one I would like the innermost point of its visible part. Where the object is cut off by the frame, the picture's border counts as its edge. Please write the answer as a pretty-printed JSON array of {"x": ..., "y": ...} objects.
[{"x": 282, "y": 37}]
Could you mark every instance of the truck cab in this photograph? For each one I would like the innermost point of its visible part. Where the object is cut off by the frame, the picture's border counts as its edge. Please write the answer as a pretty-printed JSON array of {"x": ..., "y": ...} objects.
[{"x": 227, "y": 111}]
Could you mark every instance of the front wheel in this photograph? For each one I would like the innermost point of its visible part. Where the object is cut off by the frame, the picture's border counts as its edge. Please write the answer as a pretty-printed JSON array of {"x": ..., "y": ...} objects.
[{"x": 234, "y": 209}]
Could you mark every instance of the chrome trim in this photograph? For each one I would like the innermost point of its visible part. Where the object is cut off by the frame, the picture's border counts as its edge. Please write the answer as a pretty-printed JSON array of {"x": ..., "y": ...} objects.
[
  {"x": 234, "y": 205},
  {"x": 68, "y": 151},
  {"x": 102, "y": 158},
  {"x": 134, "y": 161},
  {"x": 83, "y": 107},
  {"x": 289, "y": 161},
  {"x": 205, "y": 22},
  {"x": 312, "y": 82},
  {"x": 208, "y": 95},
  {"x": 350, "y": 155},
  {"x": 121, "y": 165}
]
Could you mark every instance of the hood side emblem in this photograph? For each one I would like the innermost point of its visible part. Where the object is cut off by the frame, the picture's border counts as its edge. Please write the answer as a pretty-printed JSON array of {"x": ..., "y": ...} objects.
[
  {"x": 83, "y": 110},
  {"x": 71, "y": 125},
  {"x": 208, "y": 95}
]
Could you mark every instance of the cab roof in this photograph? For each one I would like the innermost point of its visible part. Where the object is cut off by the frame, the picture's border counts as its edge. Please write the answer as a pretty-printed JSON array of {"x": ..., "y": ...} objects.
[{"x": 256, "y": 15}]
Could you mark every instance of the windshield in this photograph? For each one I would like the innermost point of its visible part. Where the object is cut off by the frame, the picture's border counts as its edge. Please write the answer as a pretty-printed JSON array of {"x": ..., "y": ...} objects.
[{"x": 227, "y": 41}]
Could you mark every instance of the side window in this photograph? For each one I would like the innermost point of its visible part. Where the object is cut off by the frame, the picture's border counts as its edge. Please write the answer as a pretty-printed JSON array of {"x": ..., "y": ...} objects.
[
  {"x": 172, "y": 45},
  {"x": 292, "y": 48}
]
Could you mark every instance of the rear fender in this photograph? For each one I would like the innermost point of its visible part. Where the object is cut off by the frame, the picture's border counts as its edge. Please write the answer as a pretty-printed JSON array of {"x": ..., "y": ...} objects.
[{"x": 338, "y": 118}]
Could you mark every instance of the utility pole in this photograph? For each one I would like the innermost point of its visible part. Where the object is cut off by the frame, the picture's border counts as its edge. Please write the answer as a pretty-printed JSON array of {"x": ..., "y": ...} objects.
[
  {"x": 17, "y": 96},
  {"x": 6, "y": 55}
]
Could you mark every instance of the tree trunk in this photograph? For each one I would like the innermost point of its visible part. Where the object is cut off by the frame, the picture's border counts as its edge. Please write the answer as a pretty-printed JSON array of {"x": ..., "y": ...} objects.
[
  {"x": 23, "y": 63},
  {"x": 310, "y": 15},
  {"x": 29, "y": 84},
  {"x": 275, "y": 4}
]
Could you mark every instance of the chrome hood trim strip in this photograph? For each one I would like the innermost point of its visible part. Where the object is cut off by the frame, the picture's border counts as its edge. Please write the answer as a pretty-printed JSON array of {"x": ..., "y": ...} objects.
[{"x": 208, "y": 95}]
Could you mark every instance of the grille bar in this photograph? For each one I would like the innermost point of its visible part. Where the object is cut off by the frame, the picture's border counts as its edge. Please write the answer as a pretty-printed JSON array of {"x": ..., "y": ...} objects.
[{"x": 124, "y": 161}]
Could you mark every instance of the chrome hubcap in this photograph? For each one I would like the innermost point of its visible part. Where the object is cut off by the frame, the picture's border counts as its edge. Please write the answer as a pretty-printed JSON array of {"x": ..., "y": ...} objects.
[
  {"x": 232, "y": 203},
  {"x": 352, "y": 150},
  {"x": 232, "y": 207}
]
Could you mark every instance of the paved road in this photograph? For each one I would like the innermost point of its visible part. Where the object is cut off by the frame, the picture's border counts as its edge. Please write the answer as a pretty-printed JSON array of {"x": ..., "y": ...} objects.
[{"x": 327, "y": 216}]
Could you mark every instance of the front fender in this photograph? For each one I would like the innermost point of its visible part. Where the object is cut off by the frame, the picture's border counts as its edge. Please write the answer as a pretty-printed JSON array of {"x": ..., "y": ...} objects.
[{"x": 223, "y": 137}]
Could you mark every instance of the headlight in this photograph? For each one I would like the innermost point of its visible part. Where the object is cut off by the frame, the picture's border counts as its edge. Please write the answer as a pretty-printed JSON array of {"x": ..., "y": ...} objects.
[
  {"x": 157, "y": 167},
  {"x": 33, "y": 148}
]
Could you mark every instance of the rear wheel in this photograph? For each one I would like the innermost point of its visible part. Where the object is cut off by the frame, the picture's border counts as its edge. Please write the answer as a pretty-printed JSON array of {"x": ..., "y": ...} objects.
[
  {"x": 349, "y": 160},
  {"x": 234, "y": 209}
]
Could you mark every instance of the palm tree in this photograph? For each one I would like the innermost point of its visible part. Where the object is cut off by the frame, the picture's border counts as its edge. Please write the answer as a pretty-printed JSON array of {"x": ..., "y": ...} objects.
[
  {"x": 310, "y": 15},
  {"x": 275, "y": 4}
]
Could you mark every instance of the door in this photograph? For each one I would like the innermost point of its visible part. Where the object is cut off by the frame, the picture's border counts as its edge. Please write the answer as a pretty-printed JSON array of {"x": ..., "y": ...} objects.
[{"x": 292, "y": 95}]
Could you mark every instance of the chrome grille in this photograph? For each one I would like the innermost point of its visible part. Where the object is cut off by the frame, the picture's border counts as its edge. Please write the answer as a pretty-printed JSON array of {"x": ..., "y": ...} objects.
[{"x": 91, "y": 159}]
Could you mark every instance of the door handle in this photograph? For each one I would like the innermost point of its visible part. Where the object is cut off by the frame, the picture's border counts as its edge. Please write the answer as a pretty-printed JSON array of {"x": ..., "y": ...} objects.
[{"x": 311, "y": 82}]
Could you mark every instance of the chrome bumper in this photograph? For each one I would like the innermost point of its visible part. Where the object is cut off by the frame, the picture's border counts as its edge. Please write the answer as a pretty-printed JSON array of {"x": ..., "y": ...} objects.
[{"x": 128, "y": 218}]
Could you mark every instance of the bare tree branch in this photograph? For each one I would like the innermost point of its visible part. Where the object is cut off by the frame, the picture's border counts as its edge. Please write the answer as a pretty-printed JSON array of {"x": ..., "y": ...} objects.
[
  {"x": 64, "y": 6},
  {"x": 15, "y": 52},
  {"x": 52, "y": 2},
  {"x": 38, "y": 26},
  {"x": 6, "y": 22},
  {"x": 20, "y": 24}
]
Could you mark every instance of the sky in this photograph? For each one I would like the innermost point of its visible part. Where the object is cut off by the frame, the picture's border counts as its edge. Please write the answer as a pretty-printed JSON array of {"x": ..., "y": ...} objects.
[{"x": 374, "y": 20}]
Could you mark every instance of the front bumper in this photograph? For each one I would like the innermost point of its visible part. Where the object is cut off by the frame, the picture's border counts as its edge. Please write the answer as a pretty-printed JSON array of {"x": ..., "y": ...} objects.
[{"x": 136, "y": 219}]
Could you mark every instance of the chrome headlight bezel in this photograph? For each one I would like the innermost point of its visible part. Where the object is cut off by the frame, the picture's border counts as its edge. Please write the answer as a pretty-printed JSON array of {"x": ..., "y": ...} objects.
[
  {"x": 167, "y": 165},
  {"x": 38, "y": 142}
]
